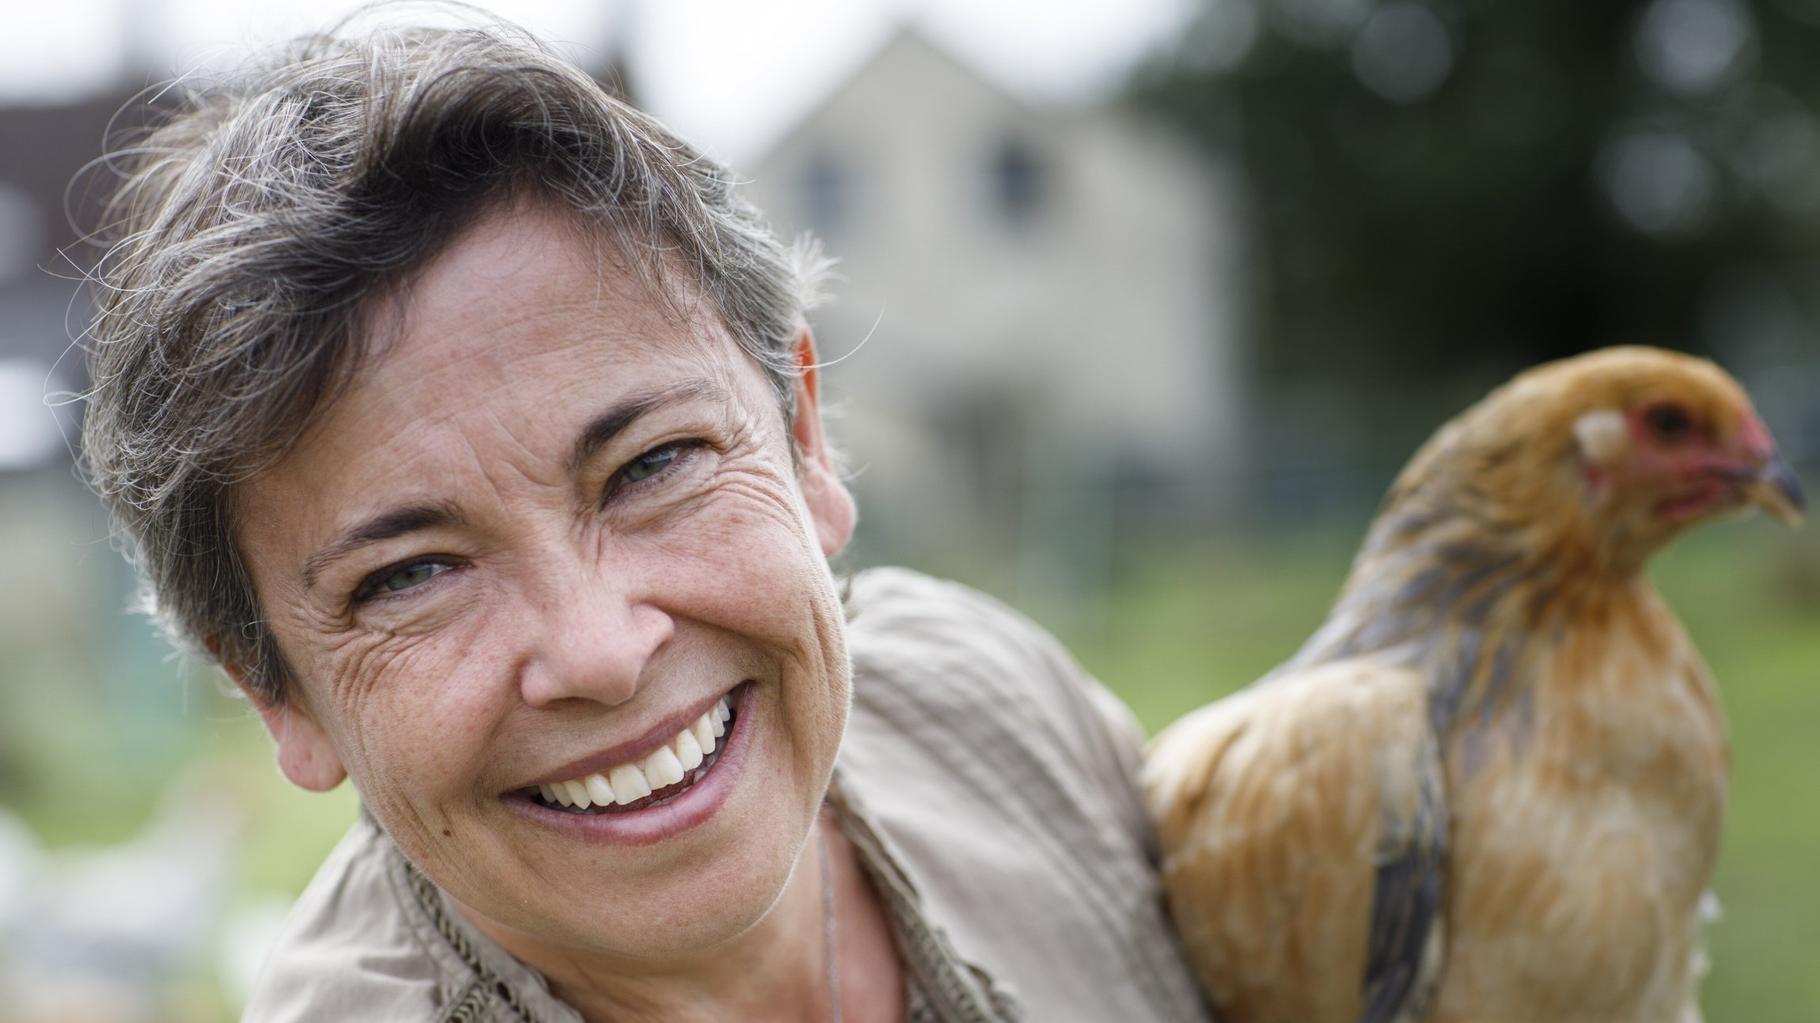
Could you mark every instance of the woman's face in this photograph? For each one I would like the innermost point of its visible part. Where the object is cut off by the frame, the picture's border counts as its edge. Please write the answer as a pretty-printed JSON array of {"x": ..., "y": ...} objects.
[{"x": 550, "y": 527}]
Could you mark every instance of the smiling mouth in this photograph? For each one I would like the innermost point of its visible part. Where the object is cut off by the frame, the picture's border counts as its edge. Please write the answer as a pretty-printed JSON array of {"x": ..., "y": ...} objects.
[{"x": 666, "y": 773}]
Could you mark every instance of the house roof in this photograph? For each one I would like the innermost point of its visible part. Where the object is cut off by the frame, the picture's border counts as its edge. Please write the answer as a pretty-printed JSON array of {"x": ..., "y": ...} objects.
[{"x": 907, "y": 36}]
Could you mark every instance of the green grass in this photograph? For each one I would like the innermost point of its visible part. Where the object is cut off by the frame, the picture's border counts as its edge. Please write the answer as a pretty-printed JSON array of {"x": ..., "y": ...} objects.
[{"x": 1756, "y": 617}]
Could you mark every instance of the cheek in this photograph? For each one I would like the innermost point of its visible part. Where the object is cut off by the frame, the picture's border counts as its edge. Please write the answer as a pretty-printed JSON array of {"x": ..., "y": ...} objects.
[
  {"x": 769, "y": 581},
  {"x": 794, "y": 603},
  {"x": 745, "y": 547},
  {"x": 750, "y": 565},
  {"x": 411, "y": 709}
]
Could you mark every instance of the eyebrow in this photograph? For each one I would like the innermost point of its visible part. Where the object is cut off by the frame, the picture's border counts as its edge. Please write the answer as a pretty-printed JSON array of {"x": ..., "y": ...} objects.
[
  {"x": 384, "y": 526},
  {"x": 598, "y": 433},
  {"x": 601, "y": 430}
]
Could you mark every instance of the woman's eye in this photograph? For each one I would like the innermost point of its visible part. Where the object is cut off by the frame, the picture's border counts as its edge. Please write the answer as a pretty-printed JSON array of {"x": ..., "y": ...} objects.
[
  {"x": 400, "y": 578},
  {"x": 649, "y": 464}
]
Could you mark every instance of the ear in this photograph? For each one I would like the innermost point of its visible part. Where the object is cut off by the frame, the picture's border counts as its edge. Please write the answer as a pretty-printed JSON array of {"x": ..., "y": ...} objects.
[
  {"x": 305, "y": 754},
  {"x": 830, "y": 505},
  {"x": 1603, "y": 437}
]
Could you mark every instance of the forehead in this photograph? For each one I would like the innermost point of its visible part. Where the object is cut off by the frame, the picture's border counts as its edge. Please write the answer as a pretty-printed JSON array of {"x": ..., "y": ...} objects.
[
  {"x": 523, "y": 314},
  {"x": 526, "y": 283},
  {"x": 516, "y": 334}
]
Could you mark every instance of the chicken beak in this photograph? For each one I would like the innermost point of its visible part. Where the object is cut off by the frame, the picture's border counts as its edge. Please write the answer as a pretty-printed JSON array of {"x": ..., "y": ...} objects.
[{"x": 1778, "y": 492}]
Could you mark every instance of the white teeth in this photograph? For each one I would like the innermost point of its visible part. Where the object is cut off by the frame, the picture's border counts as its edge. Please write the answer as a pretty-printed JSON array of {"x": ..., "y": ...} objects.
[
  {"x": 628, "y": 784},
  {"x": 578, "y": 794},
  {"x": 667, "y": 766},
  {"x": 599, "y": 789},
  {"x": 662, "y": 768},
  {"x": 688, "y": 751}
]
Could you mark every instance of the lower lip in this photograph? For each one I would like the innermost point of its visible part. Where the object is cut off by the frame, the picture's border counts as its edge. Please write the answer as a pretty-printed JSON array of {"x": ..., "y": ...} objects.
[{"x": 656, "y": 823}]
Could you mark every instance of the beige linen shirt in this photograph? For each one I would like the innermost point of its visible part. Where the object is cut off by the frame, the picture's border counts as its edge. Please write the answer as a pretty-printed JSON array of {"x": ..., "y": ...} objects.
[{"x": 986, "y": 784}]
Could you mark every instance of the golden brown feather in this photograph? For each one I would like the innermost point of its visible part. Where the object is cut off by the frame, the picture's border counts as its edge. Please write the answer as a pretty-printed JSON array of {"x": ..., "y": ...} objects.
[{"x": 1489, "y": 788}]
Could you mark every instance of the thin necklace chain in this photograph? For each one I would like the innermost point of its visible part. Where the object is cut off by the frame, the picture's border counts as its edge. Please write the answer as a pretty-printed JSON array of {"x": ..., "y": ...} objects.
[{"x": 829, "y": 944}]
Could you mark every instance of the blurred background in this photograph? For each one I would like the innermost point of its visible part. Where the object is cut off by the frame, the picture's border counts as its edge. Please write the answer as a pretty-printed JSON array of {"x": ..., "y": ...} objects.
[{"x": 1144, "y": 302}]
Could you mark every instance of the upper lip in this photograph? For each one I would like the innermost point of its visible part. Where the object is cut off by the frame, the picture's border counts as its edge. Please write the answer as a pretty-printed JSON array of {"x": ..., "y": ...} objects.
[{"x": 631, "y": 751}]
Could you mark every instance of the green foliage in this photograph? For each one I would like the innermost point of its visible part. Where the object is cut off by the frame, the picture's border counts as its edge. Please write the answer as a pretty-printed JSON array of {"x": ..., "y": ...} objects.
[{"x": 1479, "y": 226}]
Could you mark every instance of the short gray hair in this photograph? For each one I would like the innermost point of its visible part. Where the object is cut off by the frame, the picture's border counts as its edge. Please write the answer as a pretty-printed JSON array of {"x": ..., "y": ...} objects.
[{"x": 251, "y": 234}]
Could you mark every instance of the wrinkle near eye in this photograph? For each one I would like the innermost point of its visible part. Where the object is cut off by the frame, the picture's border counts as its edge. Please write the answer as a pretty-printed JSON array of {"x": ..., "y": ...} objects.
[
  {"x": 393, "y": 666},
  {"x": 357, "y": 663},
  {"x": 759, "y": 491}
]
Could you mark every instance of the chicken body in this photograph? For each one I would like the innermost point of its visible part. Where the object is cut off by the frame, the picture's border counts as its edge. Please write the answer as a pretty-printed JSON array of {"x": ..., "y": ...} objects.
[{"x": 1489, "y": 789}]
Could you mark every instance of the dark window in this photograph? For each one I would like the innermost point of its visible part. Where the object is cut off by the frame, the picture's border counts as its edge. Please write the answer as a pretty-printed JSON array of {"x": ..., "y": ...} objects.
[
  {"x": 1017, "y": 181},
  {"x": 21, "y": 232},
  {"x": 826, "y": 195}
]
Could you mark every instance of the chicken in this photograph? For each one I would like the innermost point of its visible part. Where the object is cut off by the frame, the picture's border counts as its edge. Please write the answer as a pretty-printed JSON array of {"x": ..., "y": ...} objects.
[{"x": 1489, "y": 788}]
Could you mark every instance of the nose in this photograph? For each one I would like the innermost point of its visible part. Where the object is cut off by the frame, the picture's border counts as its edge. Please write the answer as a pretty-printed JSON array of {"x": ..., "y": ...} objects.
[{"x": 595, "y": 638}]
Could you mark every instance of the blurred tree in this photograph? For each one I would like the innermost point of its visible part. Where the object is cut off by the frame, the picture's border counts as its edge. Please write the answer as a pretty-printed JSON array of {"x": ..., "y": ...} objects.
[{"x": 1459, "y": 187}]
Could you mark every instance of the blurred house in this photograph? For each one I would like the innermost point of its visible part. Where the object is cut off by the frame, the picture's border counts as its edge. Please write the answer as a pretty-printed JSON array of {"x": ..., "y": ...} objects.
[
  {"x": 41, "y": 310},
  {"x": 51, "y": 190},
  {"x": 1037, "y": 314}
]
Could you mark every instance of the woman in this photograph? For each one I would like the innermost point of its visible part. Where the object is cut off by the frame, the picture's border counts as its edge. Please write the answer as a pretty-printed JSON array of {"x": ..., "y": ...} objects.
[{"x": 471, "y": 423}]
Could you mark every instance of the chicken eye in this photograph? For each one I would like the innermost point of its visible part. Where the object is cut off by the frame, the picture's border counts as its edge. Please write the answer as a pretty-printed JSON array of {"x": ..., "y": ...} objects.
[{"x": 1669, "y": 424}]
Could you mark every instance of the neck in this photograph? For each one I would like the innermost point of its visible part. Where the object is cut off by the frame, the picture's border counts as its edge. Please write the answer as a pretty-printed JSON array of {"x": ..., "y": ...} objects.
[
  {"x": 775, "y": 970},
  {"x": 1447, "y": 586}
]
